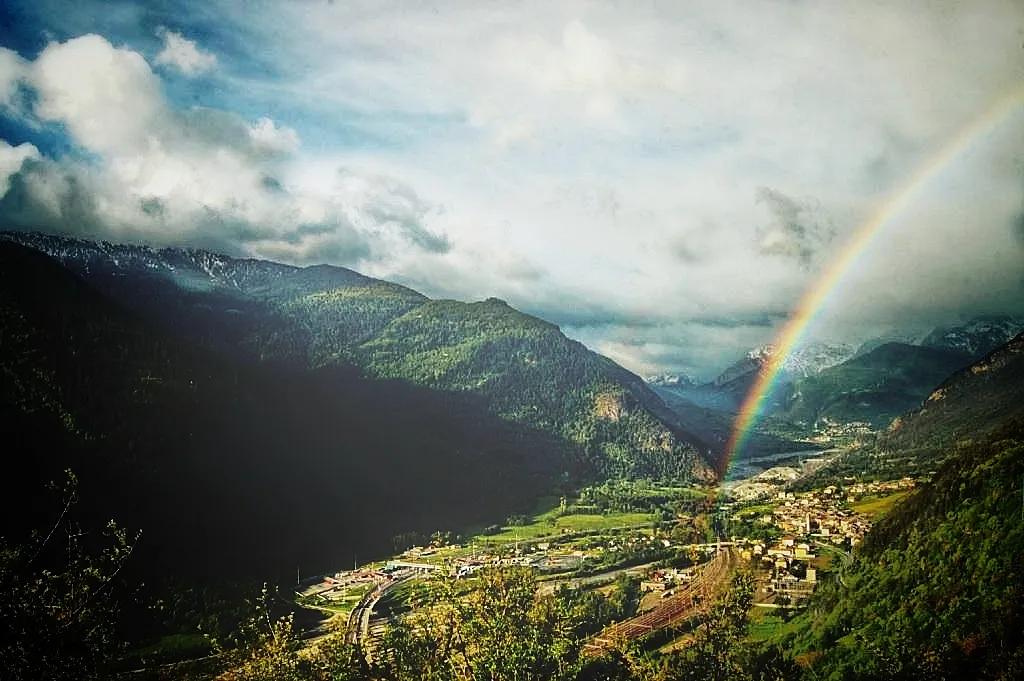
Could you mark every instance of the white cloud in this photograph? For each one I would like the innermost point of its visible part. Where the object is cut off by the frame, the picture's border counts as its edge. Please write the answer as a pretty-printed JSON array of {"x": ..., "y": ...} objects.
[
  {"x": 598, "y": 163},
  {"x": 268, "y": 135},
  {"x": 184, "y": 54},
  {"x": 200, "y": 175},
  {"x": 12, "y": 69},
  {"x": 622, "y": 150},
  {"x": 11, "y": 160},
  {"x": 108, "y": 97}
]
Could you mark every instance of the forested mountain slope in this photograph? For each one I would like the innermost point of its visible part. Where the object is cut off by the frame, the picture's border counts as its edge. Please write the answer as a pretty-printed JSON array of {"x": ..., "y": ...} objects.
[
  {"x": 519, "y": 367},
  {"x": 969, "y": 404},
  {"x": 233, "y": 468},
  {"x": 936, "y": 591},
  {"x": 873, "y": 388}
]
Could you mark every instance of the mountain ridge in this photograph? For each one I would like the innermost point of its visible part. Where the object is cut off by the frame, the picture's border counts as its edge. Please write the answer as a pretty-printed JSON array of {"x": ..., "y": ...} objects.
[{"x": 322, "y": 316}]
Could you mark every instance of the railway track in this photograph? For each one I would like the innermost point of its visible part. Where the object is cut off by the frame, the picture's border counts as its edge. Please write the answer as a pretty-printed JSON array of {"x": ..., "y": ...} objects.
[{"x": 696, "y": 596}]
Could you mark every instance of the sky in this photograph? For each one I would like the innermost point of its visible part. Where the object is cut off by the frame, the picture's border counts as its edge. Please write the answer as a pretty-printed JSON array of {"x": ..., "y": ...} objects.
[{"x": 664, "y": 180}]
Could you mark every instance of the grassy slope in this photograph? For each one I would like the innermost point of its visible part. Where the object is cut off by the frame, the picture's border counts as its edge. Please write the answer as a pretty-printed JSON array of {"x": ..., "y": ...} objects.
[{"x": 878, "y": 506}]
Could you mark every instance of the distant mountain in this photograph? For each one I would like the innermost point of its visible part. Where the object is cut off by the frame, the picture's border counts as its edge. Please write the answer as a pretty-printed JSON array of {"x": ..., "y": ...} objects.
[
  {"x": 524, "y": 369},
  {"x": 727, "y": 391},
  {"x": 870, "y": 344},
  {"x": 743, "y": 369},
  {"x": 976, "y": 337},
  {"x": 973, "y": 402},
  {"x": 873, "y": 388},
  {"x": 804, "y": 360},
  {"x": 715, "y": 427},
  {"x": 811, "y": 359},
  {"x": 672, "y": 380}
]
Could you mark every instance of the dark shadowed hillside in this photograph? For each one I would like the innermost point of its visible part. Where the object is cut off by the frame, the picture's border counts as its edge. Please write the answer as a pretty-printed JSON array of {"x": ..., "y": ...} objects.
[
  {"x": 234, "y": 468},
  {"x": 970, "y": 404},
  {"x": 520, "y": 368}
]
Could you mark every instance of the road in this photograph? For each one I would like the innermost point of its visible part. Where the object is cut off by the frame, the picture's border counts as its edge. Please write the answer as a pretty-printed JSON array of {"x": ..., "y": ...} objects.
[{"x": 846, "y": 556}]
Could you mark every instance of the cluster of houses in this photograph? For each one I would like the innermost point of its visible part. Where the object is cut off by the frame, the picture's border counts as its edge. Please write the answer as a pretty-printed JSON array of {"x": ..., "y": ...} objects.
[
  {"x": 788, "y": 563},
  {"x": 666, "y": 579},
  {"x": 538, "y": 555},
  {"x": 827, "y": 431},
  {"x": 818, "y": 514},
  {"x": 875, "y": 487}
]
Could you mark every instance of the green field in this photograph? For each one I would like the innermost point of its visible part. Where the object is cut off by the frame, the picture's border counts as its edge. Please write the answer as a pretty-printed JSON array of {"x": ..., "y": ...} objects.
[
  {"x": 764, "y": 625},
  {"x": 342, "y": 605},
  {"x": 757, "y": 509},
  {"x": 550, "y": 524},
  {"x": 169, "y": 649},
  {"x": 877, "y": 506}
]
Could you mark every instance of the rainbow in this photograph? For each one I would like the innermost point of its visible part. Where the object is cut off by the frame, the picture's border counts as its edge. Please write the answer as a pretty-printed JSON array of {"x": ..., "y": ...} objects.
[{"x": 816, "y": 297}]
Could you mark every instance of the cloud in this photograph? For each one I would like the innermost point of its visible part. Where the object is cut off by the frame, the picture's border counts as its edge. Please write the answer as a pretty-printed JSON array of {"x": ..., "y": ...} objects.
[
  {"x": 199, "y": 175},
  {"x": 268, "y": 135},
  {"x": 636, "y": 173},
  {"x": 183, "y": 54},
  {"x": 390, "y": 203},
  {"x": 108, "y": 98},
  {"x": 799, "y": 228},
  {"x": 11, "y": 161},
  {"x": 48, "y": 196},
  {"x": 12, "y": 70}
]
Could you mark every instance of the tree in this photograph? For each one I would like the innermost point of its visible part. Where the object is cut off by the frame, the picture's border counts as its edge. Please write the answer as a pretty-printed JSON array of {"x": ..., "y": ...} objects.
[
  {"x": 57, "y": 610},
  {"x": 265, "y": 649},
  {"x": 501, "y": 630}
]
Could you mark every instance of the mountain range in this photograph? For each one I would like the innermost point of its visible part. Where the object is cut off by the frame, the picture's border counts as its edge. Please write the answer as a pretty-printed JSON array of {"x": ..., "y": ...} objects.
[
  {"x": 194, "y": 394},
  {"x": 834, "y": 386},
  {"x": 524, "y": 368},
  {"x": 312, "y": 378}
]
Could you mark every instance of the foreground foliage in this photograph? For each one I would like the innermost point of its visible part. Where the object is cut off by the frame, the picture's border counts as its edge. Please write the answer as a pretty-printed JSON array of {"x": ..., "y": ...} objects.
[
  {"x": 503, "y": 630},
  {"x": 57, "y": 611}
]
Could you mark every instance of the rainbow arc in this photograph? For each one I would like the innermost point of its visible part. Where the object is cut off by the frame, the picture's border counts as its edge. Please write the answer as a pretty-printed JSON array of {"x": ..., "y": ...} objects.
[{"x": 816, "y": 297}]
